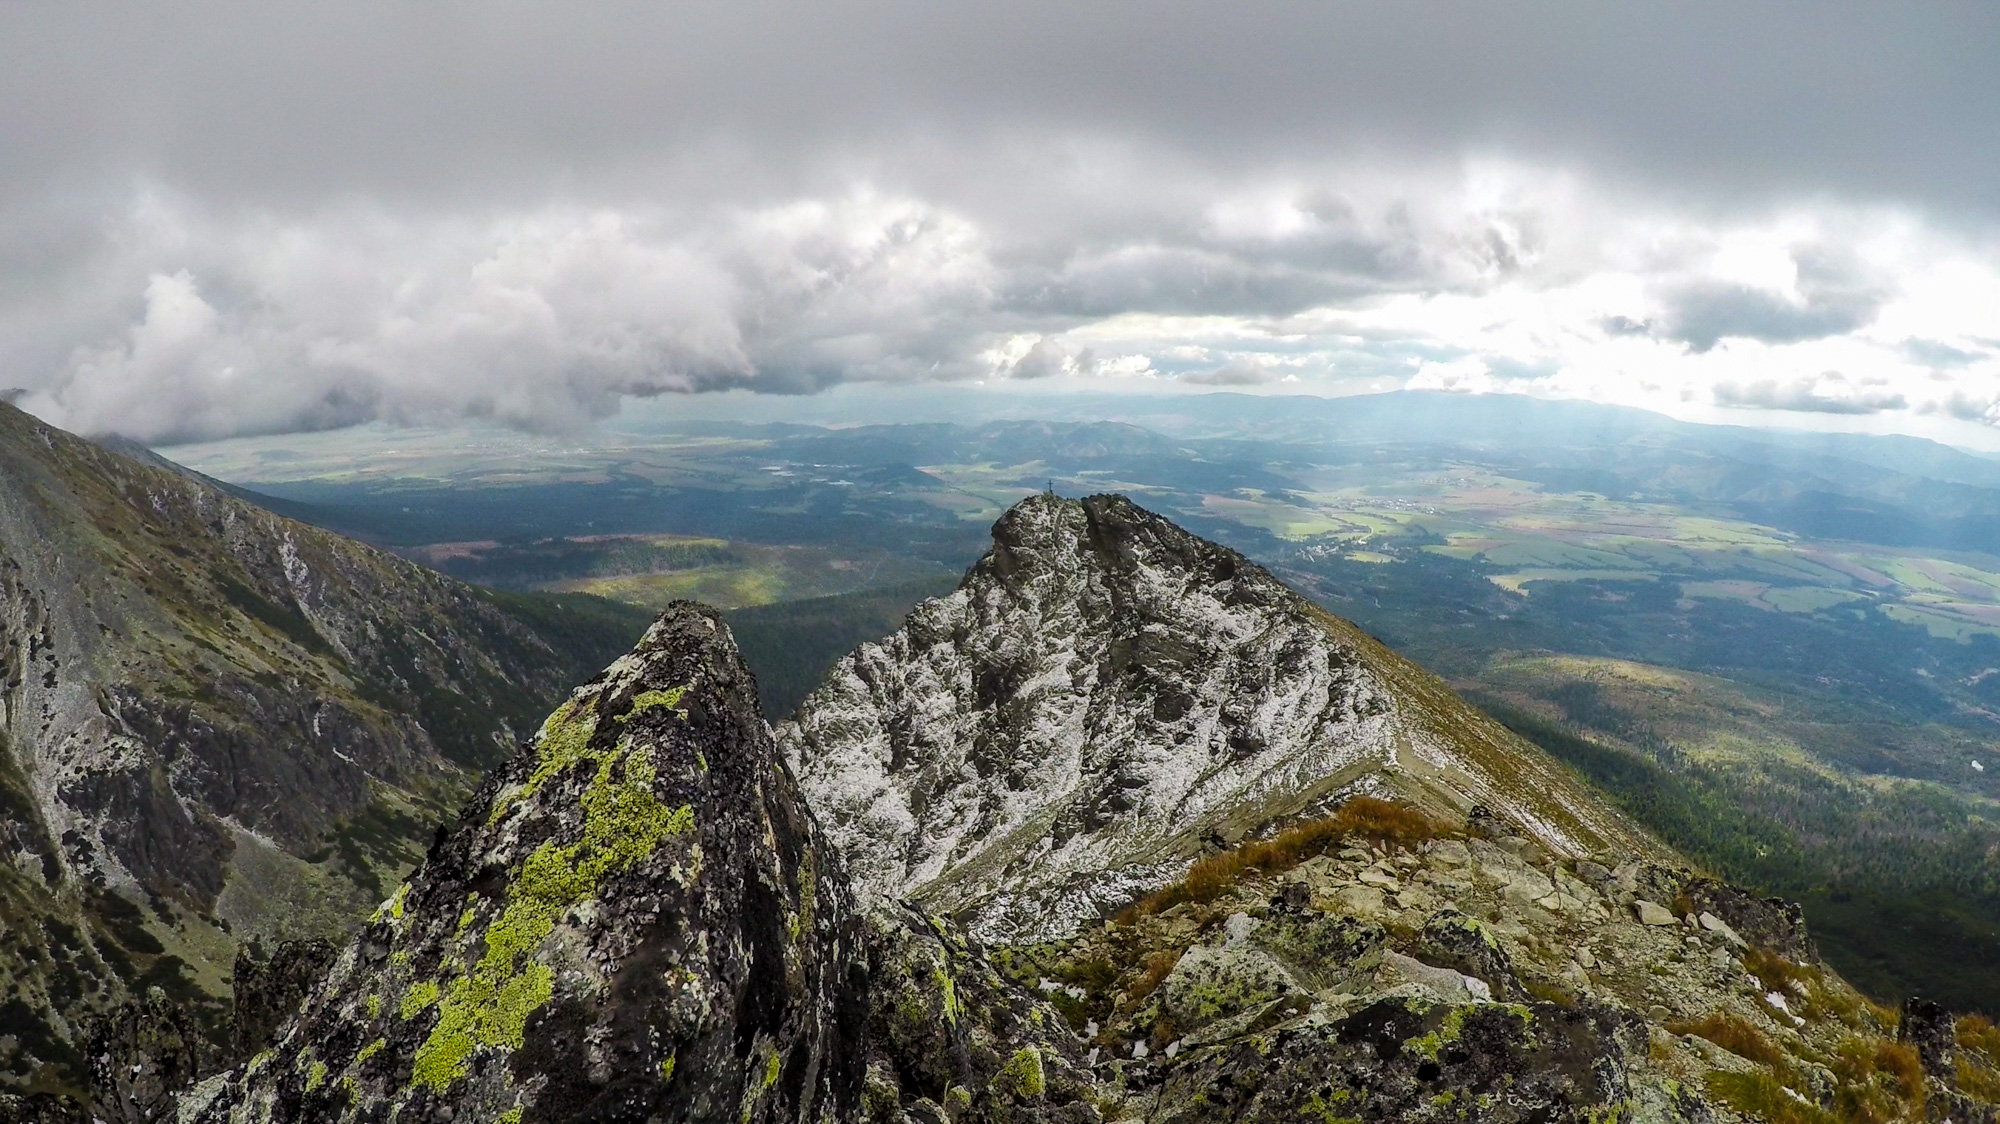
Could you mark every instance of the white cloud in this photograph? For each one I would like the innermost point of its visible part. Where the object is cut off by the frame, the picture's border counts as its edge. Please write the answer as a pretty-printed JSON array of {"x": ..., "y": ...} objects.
[
  {"x": 192, "y": 321},
  {"x": 544, "y": 319}
]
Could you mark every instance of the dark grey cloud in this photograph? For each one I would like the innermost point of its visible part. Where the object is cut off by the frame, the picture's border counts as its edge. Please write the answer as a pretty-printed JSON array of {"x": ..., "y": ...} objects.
[
  {"x": 273, "y": 101},
  {"x": 1835, "y": 294},
  {"x": 1808, "y": 396},
  {"x": 1706, "y": 313},
  {"x": 235, "y": 217}
]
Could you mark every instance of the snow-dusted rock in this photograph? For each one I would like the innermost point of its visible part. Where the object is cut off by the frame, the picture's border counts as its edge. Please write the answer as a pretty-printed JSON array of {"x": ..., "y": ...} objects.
[{"x": 1104, "y": 695}]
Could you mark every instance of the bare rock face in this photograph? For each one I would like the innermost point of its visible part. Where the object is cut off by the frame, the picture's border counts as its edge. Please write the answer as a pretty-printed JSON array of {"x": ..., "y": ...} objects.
[
  {"x": 1104, "y": 696},
  {"x": 636, "y": 920}
]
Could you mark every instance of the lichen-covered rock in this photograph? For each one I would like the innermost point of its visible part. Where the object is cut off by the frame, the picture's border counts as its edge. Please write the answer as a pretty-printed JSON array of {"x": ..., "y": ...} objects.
[
  {"x": 1772, "y": 923},
  {"x": 141, "y": 1054},
  {"x": 42, "y": 1108},
  {"x": 1409, "y": 1060},
  {"x": 1450, "y": 939},
  {"x": 949, "y": 1037},
  {"x": 1928, "y": 1028},
  {"x": 636, "y": 920},
  {"x": 1209, "y": 983},
  {"x": 1317, "y": 947}
]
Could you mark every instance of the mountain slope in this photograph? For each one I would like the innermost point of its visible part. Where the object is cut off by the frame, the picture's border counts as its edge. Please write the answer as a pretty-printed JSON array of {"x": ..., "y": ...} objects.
[
  {"x": 1107, "y": 696},
  {"x": 216, "y": 722},
  {"x": 639, "y": 918}
]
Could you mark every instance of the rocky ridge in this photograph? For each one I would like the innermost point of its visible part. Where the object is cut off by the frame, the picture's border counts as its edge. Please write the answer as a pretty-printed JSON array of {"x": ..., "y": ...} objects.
[
  {"x": 1419, "y": 971},
  {"x": 638, "y": 920},
  {"x": 217, "y": 723},
  {"x": 1104, "y": 698}
]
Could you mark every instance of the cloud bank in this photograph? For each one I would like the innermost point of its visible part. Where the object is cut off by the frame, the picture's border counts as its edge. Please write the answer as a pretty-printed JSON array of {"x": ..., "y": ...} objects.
[{"x": 256, "y": 221}]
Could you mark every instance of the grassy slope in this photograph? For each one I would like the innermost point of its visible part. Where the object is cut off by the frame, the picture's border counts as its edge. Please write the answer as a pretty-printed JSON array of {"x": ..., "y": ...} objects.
[{"x": 1896, "y": 876}]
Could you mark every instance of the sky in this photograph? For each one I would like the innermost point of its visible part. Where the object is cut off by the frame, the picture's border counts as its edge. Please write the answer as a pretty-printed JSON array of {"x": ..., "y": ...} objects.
[{"x": 223, "y": 219}]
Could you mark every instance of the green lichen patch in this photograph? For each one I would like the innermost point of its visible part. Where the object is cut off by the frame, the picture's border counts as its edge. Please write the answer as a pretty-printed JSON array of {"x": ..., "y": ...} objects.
[
  {"x": 1452, "y": 1027},
  {"x": 624, "y": 822},
  {"x": 1024, "y": 1073},
  {"x": 417, "y": 999},
  {"x": 1320, "y": 1108},
  {"x": 391, "y": 909},
  {"x": 1470, "y": 925},
  {"x": 563, "y": 741},
  {"x": 644, "y": 701},
  {"x": 768, "y": 1050}
]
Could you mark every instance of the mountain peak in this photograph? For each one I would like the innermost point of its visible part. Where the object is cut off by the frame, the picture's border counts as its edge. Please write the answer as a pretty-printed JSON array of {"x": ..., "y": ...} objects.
[
  {"x": 639, "y": 918},
  {"x": 1107, "y": 696}
]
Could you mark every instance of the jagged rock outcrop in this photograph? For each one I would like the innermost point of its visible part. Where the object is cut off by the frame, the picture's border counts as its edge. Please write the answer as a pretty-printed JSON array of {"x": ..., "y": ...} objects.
[
  {"x": 217, "y": 723},
  {"x": 144, "y": 1053},
  {"x": 141, "y": 1055},
  {"x": 636, "y": 920},
  {"x": 1106, "y": 696}
]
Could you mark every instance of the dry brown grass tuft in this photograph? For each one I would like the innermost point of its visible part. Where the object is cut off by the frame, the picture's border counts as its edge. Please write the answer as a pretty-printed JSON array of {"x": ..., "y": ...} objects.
[
  {"x": 1978, "y": 1080},
  {"x": 1977, "y": 1032},
  {"x": 1364, "y": 817},
  {"x": 1899, "y": 1062},
  {"x": 1777, "y": 973},
  {"x": 1158, "y": 966},
  {"x": 1734, "y": 1035},
  {"x": 1879, "y": 1080}
]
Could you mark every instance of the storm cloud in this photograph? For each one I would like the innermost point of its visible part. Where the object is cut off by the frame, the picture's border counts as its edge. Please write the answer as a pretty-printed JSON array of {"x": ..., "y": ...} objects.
[{"x": 236, "y": 218}]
